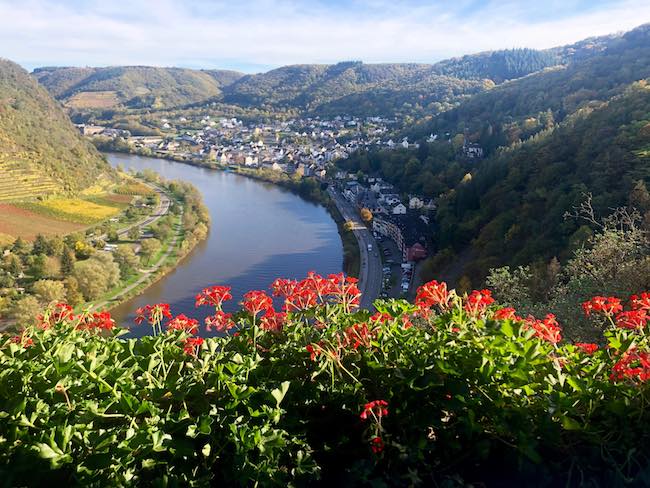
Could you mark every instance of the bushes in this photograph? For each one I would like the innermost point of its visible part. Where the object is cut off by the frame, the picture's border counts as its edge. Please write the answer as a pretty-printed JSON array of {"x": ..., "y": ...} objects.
[{"x": 451, "y": 389}]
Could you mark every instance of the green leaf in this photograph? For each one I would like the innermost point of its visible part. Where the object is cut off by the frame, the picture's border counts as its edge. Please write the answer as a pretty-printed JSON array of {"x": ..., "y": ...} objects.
[{"x": 279, "y": 394}]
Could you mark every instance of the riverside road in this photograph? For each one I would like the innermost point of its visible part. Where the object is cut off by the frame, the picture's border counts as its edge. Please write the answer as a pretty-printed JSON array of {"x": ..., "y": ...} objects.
[{"x": 370, "y": 272}]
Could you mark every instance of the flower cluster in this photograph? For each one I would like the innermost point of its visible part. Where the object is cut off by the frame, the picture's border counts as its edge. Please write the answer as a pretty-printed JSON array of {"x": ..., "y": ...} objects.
[
  {"x": 605, "y": 305},
  {"x": 154, "y": 315},
  {"x": 634, "y": 365},
  {"x": 191, "y": 345},
  {"x": 215, "y": 296},
  {"x": 181, "y": 322},
  {"x": 315, "y": 290},
  {"x": 95, "y": 321},
  {"x": 433, "y": 294},
  {"x": 478, "y": 301},
  {"x": 637, "y": 317},
  {"x": 548, "y": 329},
  {"x": 587, "y": 348},
  {"x": 375, "y": 411}
]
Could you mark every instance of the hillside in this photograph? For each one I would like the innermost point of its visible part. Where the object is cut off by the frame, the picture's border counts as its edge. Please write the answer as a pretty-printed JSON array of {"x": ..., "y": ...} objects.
[
  {"x": 518, "y": 109},
  {"x": 132, "y": 86},
  {"x": 41, "y": 152},
  {"x": 511, "y": 210}
]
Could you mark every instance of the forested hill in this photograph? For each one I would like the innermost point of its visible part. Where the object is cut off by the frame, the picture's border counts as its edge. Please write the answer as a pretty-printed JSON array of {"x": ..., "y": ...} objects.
[
  {"x": 518, "y": 109},
  {"x": 511, "y": 209},
  {"x": 133, "y": 86},
  {"x": 37, "y": 138}
]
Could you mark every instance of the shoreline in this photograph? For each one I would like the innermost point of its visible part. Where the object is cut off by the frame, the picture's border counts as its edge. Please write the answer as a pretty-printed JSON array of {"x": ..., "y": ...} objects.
[{"x": 351, "y": 263}]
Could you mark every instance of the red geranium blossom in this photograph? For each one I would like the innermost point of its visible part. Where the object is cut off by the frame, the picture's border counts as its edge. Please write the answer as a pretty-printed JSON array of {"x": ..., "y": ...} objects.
[
  {"x": 213, "y": 296},
  {"x": 182, "y": 322},
  {"x": 477, "y": 301},
  {"x": 283, "y": 287},
  {"x": 587, "y": 348},
  {"x": 301, "y": 298},
  {"x": 633, "y": 365},
  {"x": 376, "y": 408},
  {"x": 272, "y": 321},
  {"x": 343, "y": 289},
  {"x": 256, "y": 301},
  {"x": 97, "y": 320},
  {"x": 641, "y": 302},
  {"x": 153, "y": 314},
  {"x": 377, "y": 444},
  {"x": 358, "y": 335},
  {"x": 432, "y": 293},
  {"x": 55, "y": 314},
  {"x": 220, "y": 321},
  {"x": 507, "y": 313},
  {"x": 606, "y": 305},
  {"x": 191, "y": 345},
  {"x": 632, "y": 319},
  {"x": 23, "y": 340},
  {"x": 547, "y": 329}
]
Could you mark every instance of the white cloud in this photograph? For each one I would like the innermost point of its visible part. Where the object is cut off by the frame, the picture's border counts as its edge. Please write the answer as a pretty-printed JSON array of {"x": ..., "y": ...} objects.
[{"x": 263, "y": 33}]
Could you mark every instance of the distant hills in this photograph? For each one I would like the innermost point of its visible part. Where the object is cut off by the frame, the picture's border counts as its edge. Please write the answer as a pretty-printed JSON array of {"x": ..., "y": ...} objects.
[
  {"x": 353, "y": 87},
  {"x": 133, "y": 86},
  {"x": 41, "y": 152}
]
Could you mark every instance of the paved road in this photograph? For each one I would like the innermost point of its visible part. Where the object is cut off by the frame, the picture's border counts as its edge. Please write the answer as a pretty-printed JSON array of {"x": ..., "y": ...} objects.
[{"x": 370, "y": 272}]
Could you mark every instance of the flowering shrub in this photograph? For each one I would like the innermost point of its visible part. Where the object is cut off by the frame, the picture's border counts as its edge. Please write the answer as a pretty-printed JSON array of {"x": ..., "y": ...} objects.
[{"x": 449, "y": 389}]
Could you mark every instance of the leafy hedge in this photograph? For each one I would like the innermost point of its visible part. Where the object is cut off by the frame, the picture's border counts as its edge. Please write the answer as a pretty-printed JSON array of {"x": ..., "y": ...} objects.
[{"x": 448, "y": 390}]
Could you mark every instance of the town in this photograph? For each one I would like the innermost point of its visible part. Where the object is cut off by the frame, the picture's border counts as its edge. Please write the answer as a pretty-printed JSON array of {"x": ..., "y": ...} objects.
[{"x": 305, "y": 148}]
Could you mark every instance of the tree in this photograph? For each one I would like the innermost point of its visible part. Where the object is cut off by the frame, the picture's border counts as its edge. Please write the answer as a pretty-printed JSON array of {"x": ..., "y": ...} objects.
[
  {"x": 40, "y": 245},
  {"x": 37, "y": 266},
  {"x": 67, "y": 260},
  {"x": 12, "y": 264},
  {"x": 25, "y": 310},
  {"x": 83, "y": 250},
  {"x": 72, "y": 294},
  {"x": 47, "y": 291},
  {"x": 134, "y": 233},
  {"x": 19, "y": 246},
  {"x": 366, "y": 215},
  {"x": 111, "y": 235},
  {"x": 96, "y": 275},
  {"x": 51, "y": 267},
  {"x": 349, "y": 225},
  {"x": 148, "y": 248},
  {"x": 126, "y": 259}
]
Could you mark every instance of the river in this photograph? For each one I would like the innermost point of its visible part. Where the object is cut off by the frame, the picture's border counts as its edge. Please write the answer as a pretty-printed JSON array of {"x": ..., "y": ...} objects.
[{"x": 259, "y": 232}]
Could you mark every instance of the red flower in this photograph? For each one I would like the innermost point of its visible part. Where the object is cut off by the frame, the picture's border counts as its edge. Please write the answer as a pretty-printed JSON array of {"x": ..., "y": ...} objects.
[
  {"x": 220, "y": 321},
  {"x": 641, "y": 302},
  {"x": 344, "y": 290},
  {"x": 54, "y": 315},
  {"x": 358, "y": 335},
  {"x": 272, "y": 321},
  {"x": 153, "y": 314},
  {"x": 94, "y": 321},
  {"x": 377, "y": 445},
  {"x": 283, "y": 287},
  {"x": 302, "y": 298},
  {"x": 381, "y": 317},
  {"x": 477, "y": 301},
  {"x": 182, "y": 322},
  {"x": 321, "y": 286},
  {"x": 632, "y": 319},
  {"x": 313, "y": 351},
  {"x": 191, "y": 345},
  {"x": 257, "y": 301},
  {"x": 547, "y": 329},
  {"x": 606, "y": 305},
  {"x": 507, "y": 313},
  {"x": 587, "y": 348},
  {"x": 23, "y": 340},
  {"x": 407, "y": 321},
  {"x": 432, "y": 293},
  {"x": 213, "y": 296},
  {"x": 376, "y": 409},
  {"x": 633, "y": 365}
]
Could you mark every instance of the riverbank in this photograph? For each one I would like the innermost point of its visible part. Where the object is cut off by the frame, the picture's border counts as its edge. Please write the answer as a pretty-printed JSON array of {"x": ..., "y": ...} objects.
[
  {"x": 309, "y": 189},
  {"x": 173, "y": 249}
]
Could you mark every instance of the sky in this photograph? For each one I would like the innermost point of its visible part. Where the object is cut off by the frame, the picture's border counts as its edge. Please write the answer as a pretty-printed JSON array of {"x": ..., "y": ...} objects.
[{"x": 257, "y": 35}]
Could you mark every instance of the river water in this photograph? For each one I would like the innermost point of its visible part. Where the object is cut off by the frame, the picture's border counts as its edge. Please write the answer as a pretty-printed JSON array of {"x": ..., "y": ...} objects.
[{"x": 259, "y": 232}]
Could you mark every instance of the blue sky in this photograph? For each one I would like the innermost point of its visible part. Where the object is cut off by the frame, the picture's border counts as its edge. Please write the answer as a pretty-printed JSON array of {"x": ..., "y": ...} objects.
[{"x": 257, "y": 35}]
